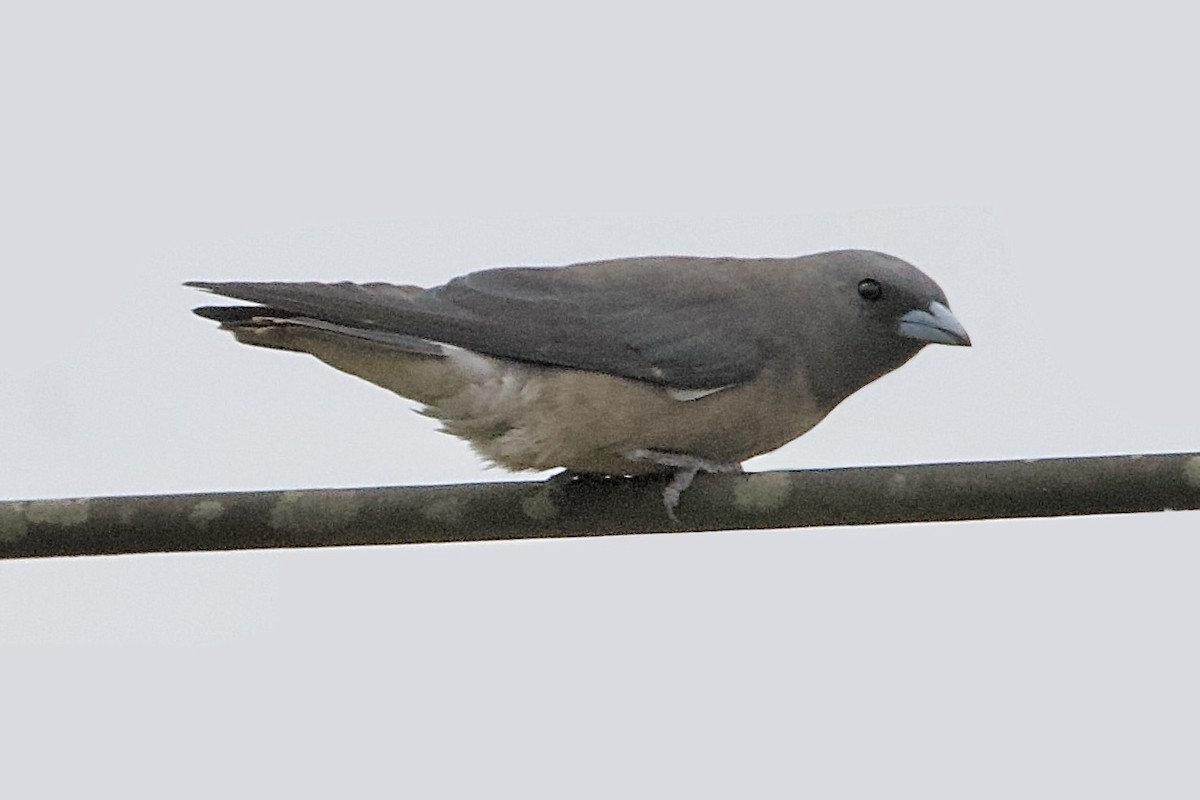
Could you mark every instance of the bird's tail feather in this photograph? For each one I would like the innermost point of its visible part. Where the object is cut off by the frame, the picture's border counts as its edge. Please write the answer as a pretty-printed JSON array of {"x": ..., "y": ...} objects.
[
  {"x": 271, "y": 327},
  {"x": 410, "y": 366}
]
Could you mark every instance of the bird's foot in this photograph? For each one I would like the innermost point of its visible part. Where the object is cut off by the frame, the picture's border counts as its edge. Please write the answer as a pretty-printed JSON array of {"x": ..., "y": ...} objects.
[{"x": 686, "y": 468}]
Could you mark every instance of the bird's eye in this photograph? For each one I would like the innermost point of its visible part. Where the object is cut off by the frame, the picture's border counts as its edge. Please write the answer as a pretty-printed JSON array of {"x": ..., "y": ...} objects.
[{"x": 869, "y": 289}]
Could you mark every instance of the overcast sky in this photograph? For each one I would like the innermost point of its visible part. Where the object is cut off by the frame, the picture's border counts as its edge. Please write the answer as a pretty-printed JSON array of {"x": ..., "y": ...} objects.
[{"x": 1041, "y": 165}]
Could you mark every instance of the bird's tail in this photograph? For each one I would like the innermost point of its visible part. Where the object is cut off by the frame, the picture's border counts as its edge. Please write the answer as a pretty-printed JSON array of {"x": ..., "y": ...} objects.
[{"x": 412, "y": 367}]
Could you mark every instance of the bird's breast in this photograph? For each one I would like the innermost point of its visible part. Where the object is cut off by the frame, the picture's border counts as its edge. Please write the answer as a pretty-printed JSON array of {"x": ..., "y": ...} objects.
[{"x": 532, "y": 418}]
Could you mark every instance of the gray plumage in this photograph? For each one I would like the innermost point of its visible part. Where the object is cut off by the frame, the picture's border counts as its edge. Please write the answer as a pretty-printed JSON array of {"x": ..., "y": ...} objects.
[{"x": 626, "y": 366}]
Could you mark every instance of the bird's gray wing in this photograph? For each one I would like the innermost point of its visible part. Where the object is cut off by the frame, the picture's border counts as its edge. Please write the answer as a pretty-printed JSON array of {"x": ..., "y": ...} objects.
[{"x": 678, "y": 322}]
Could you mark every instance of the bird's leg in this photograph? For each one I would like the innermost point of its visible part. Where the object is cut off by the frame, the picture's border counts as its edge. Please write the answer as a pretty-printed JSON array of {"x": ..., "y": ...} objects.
[
  {"x": 569, "y": 478},
  {"x": 686, "y": 467},
  {"x": 564, "y": 478}
]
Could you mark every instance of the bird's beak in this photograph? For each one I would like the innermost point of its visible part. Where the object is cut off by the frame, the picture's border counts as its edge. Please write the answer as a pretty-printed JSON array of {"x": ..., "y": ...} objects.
[{"x": 936, "y": 324}]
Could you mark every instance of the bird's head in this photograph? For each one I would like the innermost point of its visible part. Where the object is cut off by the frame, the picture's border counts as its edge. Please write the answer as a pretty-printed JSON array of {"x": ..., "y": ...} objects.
[{"x": 879, "y": 312}]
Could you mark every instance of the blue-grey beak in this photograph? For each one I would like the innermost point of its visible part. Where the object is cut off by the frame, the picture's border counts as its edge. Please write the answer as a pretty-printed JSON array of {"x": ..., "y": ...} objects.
[{"x": 937, "y": 324}]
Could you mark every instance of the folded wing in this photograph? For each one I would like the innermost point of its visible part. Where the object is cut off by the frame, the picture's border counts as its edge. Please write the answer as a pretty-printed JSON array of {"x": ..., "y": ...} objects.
[{"x": 677, "y": 322}]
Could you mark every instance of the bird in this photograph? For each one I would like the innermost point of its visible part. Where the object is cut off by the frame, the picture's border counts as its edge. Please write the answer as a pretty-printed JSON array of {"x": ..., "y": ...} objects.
[{"x": 659, "y": 365}]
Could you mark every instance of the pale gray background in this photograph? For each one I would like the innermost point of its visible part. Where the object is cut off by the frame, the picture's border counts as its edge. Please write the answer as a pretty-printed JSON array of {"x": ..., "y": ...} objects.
[{"x": 1040, "y": 163}]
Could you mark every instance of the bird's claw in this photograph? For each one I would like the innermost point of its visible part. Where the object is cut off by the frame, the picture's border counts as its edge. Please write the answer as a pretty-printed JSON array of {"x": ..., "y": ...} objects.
[{"x": 686, "y": 468}]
